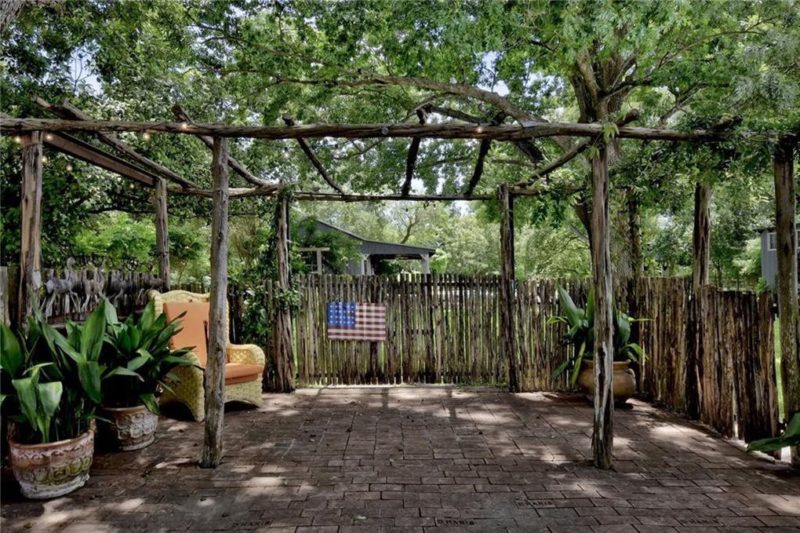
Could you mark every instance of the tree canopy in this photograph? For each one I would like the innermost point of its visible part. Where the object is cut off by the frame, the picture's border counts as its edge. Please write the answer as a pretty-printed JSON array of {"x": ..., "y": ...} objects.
[{"x": 683, "y": 64}]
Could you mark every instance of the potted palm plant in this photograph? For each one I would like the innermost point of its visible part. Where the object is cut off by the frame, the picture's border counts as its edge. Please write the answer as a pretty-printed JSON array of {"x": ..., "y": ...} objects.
[
  {"x": 579, "y": 366},
  {"x": 51, "y": 388},
  {"x": 129, "y": 415}
]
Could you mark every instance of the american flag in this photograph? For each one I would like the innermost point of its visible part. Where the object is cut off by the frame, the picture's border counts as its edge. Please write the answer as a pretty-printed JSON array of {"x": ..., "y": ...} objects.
[{"x": 351, "y": 321}]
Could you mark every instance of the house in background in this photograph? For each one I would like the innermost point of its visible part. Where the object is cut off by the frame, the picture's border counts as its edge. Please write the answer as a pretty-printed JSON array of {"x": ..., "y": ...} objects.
[
  {"x": 371, "y": 253},
  {"x": 769, "y": 256}
]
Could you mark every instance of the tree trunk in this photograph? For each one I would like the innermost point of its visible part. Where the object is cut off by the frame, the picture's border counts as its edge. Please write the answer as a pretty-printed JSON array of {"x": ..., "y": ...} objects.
[
  {"x": 162, "y": 233},
  {"x": 636, "y": 263},
  {"x": 701, "y": 246},
  {"x": 30, "y": 260},
  {"x": 786, "y": 245},
  {"x": 584, "y": 213},
  {"x": 284, "y": 352},
  {"x": 507, "y": 285},
  {"x": 603, "y": 434},
  {"x": 217, "y": 318}
]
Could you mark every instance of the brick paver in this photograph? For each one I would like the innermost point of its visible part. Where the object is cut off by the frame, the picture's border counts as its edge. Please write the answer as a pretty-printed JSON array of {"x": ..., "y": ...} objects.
[{"x": 426, "y": 459}]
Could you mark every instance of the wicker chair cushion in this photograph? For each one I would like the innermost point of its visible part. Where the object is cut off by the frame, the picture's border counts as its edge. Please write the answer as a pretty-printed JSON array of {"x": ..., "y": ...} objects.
[
  {"x": 194, "y": 326},
  {"x": 236, "y": 373}
]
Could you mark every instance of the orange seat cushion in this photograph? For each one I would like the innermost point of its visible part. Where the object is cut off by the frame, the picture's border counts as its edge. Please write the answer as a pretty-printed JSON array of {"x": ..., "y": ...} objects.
[
  {"x": 241, "y": 373},
  {"x": 193, "y": 327}
]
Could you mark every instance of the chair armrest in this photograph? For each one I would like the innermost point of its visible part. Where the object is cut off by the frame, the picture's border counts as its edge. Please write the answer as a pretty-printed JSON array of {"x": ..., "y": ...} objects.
[{"x": 246, "y": 354}]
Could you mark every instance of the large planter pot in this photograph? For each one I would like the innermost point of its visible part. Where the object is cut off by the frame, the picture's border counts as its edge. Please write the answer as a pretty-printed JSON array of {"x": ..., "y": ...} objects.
[
  {"x": 624, "y": 380},
  {"x": 128, "y": 428},
  {"x": 54, "y": 469}
]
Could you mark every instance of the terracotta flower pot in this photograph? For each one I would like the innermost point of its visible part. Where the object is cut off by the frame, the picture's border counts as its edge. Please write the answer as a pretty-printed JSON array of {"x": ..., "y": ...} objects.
[
  {"x": 129, "y": 428},
  {"x": 623, "y": 384},
  {"x": 53, "y": 469}
]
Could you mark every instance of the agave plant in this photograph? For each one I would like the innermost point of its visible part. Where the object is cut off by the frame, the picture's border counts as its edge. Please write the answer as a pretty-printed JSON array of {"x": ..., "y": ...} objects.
[
  {"x": 142, "y": 348},
  {"x": 53, "y": 383},
  {"x": 789, "y": 438},
  {"x": 581, "y": 335}
]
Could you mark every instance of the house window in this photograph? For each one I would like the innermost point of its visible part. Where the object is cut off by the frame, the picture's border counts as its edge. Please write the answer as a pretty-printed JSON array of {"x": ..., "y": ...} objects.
[{"x": 772, "y": 241}]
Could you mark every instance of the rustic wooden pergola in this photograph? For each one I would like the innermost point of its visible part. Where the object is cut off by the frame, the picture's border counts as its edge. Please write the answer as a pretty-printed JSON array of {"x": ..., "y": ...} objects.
[{"x": 35, "y": 132}]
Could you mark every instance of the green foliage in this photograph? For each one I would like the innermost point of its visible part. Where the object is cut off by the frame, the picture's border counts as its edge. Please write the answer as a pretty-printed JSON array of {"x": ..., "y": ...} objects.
[
  {"x": 142, "y": 348},
  {"x": 56, "y": 380},
  {"x": 581, "y": 335},
  {"x": 789, "y": 438},
  {"x": 343, "y": 249},
  {"x": 687, "y": 64}
]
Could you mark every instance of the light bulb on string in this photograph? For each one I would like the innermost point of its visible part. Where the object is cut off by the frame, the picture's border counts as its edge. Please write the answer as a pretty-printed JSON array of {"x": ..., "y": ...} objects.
[
  {"x": 146, "y": 136},
  {"x": 69, "y": 167}
]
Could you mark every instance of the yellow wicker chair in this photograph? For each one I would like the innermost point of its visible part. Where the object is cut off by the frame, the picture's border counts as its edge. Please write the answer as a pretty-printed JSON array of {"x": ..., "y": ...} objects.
[{"x": 243, "y": 369}]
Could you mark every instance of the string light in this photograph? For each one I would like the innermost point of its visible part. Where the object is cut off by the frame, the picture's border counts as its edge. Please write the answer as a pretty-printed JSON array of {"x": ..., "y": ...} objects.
[
  {"x": 69, "y": 167},
  {"x": 49, "y": 136},
  {"x": 17, "y": 139},
  {"x": 184, "y": 126},
  {"x": 146, "y": 136},
  {"x": 44, "y": 159}
]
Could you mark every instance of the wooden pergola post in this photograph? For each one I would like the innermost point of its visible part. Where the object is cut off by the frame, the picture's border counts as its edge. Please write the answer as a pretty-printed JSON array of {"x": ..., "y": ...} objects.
[
  {"x": 162, "y": 232},
  {"x": 284, "y": 352},
  {"x": 217, "y": 318},
  {"x": 603, "y": 434},
  {"x": 507, "y": 288},
  {"x": 701, "y": 253},
  {"x": 786, "y": 246},
  {"x": 30, "y": 260}
]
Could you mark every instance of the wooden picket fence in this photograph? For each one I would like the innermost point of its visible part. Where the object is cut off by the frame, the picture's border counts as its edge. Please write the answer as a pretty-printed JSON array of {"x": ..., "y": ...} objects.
[{"x": 446, "y": 329}]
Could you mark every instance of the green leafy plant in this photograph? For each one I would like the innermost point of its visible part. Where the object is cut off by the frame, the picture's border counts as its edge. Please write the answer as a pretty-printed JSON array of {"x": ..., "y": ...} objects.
[
  {"x": 51, "y": 382},
  {"x": 789, "y": 438},
  {"x": 581, "y": 335},
  {"x": 141, "y": 347},
  {"x": 34, "y": 402}
]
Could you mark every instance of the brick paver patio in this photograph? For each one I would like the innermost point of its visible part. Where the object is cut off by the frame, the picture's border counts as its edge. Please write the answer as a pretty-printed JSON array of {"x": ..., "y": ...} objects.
[{"x": 425, "y": 458}]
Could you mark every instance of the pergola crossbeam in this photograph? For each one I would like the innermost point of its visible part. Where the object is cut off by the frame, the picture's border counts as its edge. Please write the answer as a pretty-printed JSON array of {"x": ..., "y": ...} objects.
[
  {"x": 68, "y": 111},
  {"x": 525, "y": 146},
  {"x": 350, "y": 197},
  {"x": 86, "y": 152},
  {"x": 235, "y": 165},
  {"x": 521, "y": 131},
  {"x": 483, "y": 150},
  {"x": 571, "y": 154},
  {"x": 312, "y": 157},
  {"x": 413, "y": 152}
]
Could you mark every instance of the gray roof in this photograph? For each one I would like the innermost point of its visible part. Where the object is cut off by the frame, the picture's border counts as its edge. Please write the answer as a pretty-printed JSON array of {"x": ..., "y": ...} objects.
[{"x": 379, "y": 248}]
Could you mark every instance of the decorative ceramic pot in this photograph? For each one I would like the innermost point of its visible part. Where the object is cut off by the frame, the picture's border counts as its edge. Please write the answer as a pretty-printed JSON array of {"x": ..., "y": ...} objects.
[
  {"x": 128, "y": 428},
  {"x": 53, "y": 469},
  {"x": 624, "y": 380}
]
